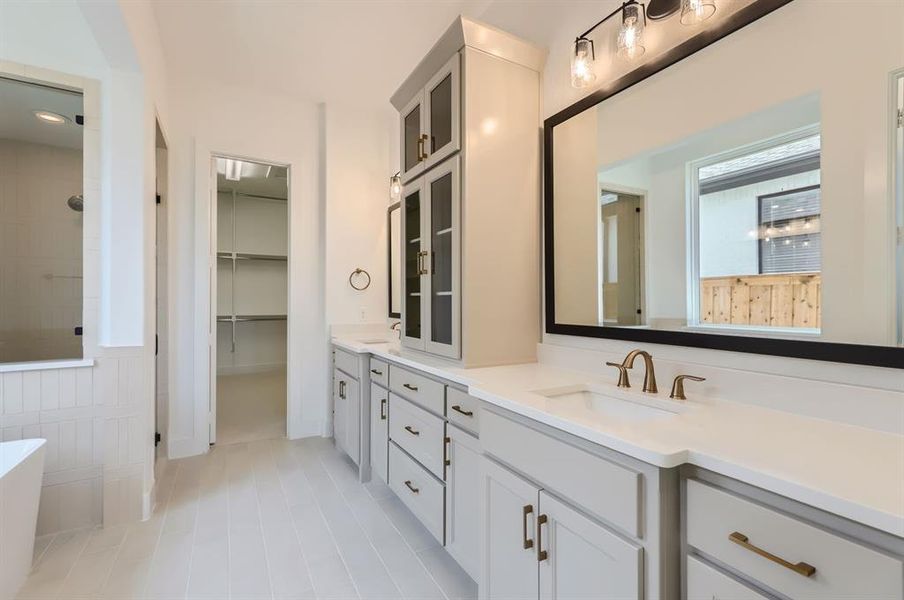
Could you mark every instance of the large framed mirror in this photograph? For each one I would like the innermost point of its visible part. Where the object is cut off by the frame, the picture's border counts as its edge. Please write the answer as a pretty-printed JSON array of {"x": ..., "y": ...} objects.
[
  {"x": 393, "y": 225},
  {"x": 741, "y": 192}
]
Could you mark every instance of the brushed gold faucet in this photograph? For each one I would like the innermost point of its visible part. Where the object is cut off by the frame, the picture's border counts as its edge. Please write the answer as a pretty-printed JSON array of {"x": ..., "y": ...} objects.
[
  {"x": 649, "y": 376},
  {"x": 678, "y": 386}
]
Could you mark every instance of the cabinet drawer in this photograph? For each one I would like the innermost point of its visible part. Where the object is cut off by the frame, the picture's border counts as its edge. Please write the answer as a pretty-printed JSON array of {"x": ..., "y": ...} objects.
[
  {"x": 417, "y": 388},
  {"x": 420, "y": 433},
  {"x": 418, "y": 489},
  {"x": 463, "y": 409},
  {"x": 608, "y": 490},
  {"x": 347, "y": 362},
  {"x": 706, "y": 583},
  {"x": 379, "y": 372},
  {"x": 841, "y": 568}
]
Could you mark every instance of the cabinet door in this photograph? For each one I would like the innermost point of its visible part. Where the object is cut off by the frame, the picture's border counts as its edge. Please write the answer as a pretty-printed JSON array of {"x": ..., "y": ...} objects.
[
  {"x": 379, "y": 431},
  {"x": 413, "y": 138},
  {"x": 414, "y": 267},
  {"x": 443, "y": 199},
  {"x": 442, "y": 99},
  {"x": 353, "y": 432},
  {"x": 462, "y": 499},
  {"x": 508, "y": 563},
  {"x": 579, "y": 558},
  {"x": 340, "y": 409}
]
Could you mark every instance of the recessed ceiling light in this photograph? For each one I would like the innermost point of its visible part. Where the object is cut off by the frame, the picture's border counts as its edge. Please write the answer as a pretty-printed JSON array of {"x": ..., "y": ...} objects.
[{"x": 50, "y": 117}]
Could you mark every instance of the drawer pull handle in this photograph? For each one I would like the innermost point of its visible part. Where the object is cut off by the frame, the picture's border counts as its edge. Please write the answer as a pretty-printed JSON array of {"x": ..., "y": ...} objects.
[
  {"x": 800, "y": 568},
  {"x": 541, "y": 553},
  {"x": 383, "y": 409},
  {"x": 412, "y": 430},
  {"x": 527, "y": 543},
  {"x": 413, "y": 489},
  {"x": 457, "y": 408},
  {"x": 342, "y": 389},
  {"x": 446, "y": 460},
  {"x": 413, "y": 388},
  {"x": 377, "y": 372}
]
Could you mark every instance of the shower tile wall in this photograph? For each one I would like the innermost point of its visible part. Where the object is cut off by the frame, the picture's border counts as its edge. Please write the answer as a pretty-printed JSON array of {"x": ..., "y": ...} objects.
[{"x": 40, "y": 252}]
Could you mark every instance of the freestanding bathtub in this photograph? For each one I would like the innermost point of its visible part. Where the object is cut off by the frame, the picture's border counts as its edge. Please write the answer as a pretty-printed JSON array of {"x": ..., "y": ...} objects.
[{"x": 21, "y": 471}]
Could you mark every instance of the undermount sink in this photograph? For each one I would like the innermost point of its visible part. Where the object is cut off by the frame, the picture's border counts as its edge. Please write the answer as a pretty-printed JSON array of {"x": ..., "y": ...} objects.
[{"x": 597, "y": 399}]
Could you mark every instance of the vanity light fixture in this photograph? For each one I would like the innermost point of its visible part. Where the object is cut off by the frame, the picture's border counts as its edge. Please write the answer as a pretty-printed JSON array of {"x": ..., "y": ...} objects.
[
  {"x": 50, "y": 117},
  {"x": 395, "y": 186},
  {"x": 694, "y": 12},
  {"x": 629, "y": 42}
]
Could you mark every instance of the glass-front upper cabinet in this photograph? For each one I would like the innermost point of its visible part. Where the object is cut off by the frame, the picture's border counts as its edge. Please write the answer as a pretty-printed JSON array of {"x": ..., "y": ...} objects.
[
  {"x": 431, "y": 208},
  {"x": 413, "y": 269},
  {"x": 431, "y": 126}
]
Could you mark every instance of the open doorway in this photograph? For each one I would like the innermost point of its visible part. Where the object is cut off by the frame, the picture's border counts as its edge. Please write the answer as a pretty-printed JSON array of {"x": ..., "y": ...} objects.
[
  {"x": 161, "y": 372},
  {"x": 620, "y": 258},
  {"x": 248, "y": 387}
]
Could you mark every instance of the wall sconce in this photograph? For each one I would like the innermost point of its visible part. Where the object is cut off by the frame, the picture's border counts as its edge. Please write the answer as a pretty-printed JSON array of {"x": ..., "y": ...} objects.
[{"x": 395, "y": 186}]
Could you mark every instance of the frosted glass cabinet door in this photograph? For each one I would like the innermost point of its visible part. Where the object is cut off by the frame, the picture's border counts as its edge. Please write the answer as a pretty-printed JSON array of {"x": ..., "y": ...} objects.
[
  {"x": 413, "y": 138},
  {"x": 443, "y": 308},
  {"x": 442, "y": 98},
  {"x": 584, "y": 559},
  {"x": 414, "y": 260}
]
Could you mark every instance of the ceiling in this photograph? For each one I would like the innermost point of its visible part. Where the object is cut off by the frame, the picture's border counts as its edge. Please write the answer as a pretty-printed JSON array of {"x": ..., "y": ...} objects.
[
  {"x": 19, "y": 100},
  {"x": 353, "y": 51}
]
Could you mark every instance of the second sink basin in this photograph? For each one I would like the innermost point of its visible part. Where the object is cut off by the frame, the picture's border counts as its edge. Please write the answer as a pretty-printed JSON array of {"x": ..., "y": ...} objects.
[{"x": 599, "y": 400}]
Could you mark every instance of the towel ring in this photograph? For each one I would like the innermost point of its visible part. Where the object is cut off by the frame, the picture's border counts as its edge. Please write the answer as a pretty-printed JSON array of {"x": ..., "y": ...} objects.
[{"x": 359, "y": 272}]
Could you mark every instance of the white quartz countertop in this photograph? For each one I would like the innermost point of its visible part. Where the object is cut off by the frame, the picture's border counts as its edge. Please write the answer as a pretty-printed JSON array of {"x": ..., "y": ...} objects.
[{"x": 850, "y": 471}]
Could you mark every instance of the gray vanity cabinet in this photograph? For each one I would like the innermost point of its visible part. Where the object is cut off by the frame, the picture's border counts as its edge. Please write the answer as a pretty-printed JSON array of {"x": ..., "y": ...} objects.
[
  {"x": 351, "y": 418},
  {"x": 565, "y": 518}
]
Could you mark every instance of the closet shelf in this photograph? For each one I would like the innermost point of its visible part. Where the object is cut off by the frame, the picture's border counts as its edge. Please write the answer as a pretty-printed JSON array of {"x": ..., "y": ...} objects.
[
  {"x": 250, "y": 256},
  {"x": 242, "y": 318}
]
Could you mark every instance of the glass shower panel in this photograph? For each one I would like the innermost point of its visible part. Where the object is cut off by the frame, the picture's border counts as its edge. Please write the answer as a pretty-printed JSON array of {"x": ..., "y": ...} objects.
[
  {"x": 441, "y": 271},
  {"x": 413, "y": 258}
]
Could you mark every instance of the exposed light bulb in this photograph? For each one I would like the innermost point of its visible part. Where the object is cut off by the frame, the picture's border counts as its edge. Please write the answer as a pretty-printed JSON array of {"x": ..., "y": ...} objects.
[
  {"x": 630, "y": 35},
  {"x": 582, "y": 58},
  {"x": 694, "y": 12},
  {"x": 395, "y": 186}
]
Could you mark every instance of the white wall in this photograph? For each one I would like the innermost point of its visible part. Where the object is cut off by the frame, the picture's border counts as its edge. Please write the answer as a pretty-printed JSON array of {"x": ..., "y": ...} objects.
[{"x": 358, "y": 167}]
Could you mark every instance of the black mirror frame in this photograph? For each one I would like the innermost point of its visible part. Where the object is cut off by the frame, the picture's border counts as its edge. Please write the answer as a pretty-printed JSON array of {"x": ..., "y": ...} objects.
[
  {"x": 859, "y": 354},
  {"x": 389, "y": 242}
]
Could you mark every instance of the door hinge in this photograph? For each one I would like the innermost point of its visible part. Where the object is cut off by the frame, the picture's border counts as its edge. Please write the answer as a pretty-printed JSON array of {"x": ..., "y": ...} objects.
[
  {"x": 157, "y": 438},
  {"x": 158, "y": 198},
  {"x": 636, "y": 209},
  {"x": 639, "y": 311}
]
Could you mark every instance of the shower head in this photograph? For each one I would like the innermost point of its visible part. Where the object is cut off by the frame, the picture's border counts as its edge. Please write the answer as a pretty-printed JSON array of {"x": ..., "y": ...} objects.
[{"x": 76, "y": 203}]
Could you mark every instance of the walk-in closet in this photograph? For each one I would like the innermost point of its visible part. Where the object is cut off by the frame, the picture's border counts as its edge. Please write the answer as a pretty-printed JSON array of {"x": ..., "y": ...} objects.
[{"x": 251, "y": 301}]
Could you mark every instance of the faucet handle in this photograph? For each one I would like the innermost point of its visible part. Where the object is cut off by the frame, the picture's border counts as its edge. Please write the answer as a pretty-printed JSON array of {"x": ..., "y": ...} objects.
[
  {"x": 622, "y": 374},
  {"x": 678, "y": 386}
]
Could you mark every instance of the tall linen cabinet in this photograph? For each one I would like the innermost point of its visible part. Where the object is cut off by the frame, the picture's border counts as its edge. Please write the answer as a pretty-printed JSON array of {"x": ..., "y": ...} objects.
[{"x": 470, "y": 156}]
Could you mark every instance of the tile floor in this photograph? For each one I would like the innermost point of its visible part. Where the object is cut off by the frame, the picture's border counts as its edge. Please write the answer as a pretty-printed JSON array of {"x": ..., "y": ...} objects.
[
  {"x": 268, "y": 519},
  {"x": 239, "y": 420}
]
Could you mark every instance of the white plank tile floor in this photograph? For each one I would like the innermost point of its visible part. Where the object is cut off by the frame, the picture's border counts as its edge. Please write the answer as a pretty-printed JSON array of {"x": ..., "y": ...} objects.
[{"x": 271, "y": 519}]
